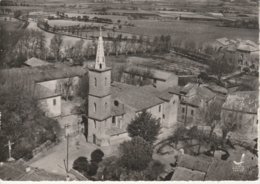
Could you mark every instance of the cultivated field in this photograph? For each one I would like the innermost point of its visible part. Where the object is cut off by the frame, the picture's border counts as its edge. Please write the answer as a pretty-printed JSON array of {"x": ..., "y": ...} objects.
[{"x": 200, "y": 32}]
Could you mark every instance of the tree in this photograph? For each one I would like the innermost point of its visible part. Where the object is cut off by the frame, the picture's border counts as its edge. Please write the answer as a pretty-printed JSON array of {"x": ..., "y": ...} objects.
[
  {"x": 230, "y": 123},
  {"x": 22, "y": 121},
  {"x": 222, "y": 63},
  {"x": 145, "y": 126},
  {"x": 81, "y": 164},
  {"x": 154, "y": 169},
  {"x": 212, "y": 115},
  {"x": 97, "y": 155},
  {"x": 55, "y": 46},
  {"x": 135, "y": 154}
]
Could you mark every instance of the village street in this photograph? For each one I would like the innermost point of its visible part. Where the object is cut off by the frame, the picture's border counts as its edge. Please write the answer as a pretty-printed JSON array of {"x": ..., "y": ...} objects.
[{"x": 53, "y": 160}]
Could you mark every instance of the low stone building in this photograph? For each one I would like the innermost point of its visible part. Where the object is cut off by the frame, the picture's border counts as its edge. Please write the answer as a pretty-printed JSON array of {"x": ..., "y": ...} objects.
[
  {"x": 195, "y": 99},
  {"x": 242, "y": 108}
]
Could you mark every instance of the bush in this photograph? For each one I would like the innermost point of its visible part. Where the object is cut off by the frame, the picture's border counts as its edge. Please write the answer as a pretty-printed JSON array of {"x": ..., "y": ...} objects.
[
  {"x": 97, "y": 155},
  {"x": 81, "y": 164},
  {"x": 92, "y": 169}
]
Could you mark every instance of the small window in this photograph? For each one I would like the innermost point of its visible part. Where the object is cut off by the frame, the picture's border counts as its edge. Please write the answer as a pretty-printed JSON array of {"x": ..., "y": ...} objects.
[
  {"x": 105, "y": 81},
  {"x": 116, "y": 103},
  {"x": 257, "y": 122},
  {"x": 159, "y": 108},
  {"x": 54, "y": 102},
  {"x": 154, "y": 81},
  {"x": 163, "y": 116},
  {"x": 105, "y": 106},
  {"x": 113, "y": 119},
  {"x": 192, "y": 112},
  {"x": 95, "y": 107},
  {"x": 95, "y": 81},
  {"x": 183, "y": 110},
  {"x": 95, "y": 123},
  {"x": 100, "y": 66}
]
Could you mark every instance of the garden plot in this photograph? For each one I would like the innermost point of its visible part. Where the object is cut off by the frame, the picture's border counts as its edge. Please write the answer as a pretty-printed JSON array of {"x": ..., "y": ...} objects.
[{"x": 173, "y": 63}]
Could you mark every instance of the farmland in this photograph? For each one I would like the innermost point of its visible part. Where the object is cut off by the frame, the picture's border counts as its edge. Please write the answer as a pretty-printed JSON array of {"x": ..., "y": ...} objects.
[{"x": 200, "y": 32}]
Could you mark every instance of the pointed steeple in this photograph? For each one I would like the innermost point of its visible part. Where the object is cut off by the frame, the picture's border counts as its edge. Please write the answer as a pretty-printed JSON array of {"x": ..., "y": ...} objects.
[{"x": 100, "y": 56}]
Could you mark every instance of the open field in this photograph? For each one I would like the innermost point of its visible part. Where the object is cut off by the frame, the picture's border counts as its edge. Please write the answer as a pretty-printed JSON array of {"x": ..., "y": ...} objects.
[
  {"x": 200, "y": 32},
  {"x": 10, "y": 25}
]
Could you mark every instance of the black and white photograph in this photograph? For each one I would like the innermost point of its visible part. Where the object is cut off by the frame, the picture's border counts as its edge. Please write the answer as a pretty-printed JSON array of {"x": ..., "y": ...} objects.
[{"x": 129, "y": 90}]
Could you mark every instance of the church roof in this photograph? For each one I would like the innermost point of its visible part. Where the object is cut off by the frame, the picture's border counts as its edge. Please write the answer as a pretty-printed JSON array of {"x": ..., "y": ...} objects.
[{"x": 133, "y": 96}]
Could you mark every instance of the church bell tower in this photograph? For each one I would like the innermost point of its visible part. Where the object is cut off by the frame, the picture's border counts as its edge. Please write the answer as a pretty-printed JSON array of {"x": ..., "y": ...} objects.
[{"x": 99, "y": 97}]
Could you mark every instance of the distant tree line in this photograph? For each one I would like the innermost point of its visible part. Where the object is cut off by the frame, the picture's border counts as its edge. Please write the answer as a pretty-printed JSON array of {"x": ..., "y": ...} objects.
[{"x": 251, "y": 23}]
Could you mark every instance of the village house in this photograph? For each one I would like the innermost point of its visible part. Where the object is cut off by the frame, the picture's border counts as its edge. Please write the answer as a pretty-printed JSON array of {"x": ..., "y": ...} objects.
[
  {"x": 245, "y": 52},
  {"x": 55, "y": 87},
  {"x": 241, "y": 107},
  {"x": 112, "y": 106},
  {"x": 195, "y": 99}
]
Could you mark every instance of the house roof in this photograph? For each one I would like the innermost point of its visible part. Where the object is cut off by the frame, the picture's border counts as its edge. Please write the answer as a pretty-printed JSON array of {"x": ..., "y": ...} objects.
[
  {"x": 44, "y": 73},
  {"x": 195, "y": 93},
  {"x": 16, "y": 171},
  {"x": 133, "y": 96},
  {"x": 248, "y": 46},
  {"x": 34, "y": 62},
  {"x": 216, "y": 88},
  {"x": 165, "y": 94},
  {"x": 184, "y": 174},
  {"x": 214, "y": 169},
  {"x": 245, "y": 101},
  {"x": 224, "y": 41}
]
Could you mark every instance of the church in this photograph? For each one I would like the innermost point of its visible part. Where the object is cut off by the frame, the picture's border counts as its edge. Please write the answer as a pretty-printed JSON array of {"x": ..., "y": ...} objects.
[{"x": 112, "y": 105}]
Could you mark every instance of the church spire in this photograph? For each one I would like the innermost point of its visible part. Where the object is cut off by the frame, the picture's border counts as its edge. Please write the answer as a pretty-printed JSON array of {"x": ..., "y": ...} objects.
[{"x": 100, "y": 56}]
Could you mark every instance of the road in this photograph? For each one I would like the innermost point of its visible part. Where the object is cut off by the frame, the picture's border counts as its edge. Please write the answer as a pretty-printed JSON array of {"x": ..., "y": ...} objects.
[{"x": 53, "y": 161}]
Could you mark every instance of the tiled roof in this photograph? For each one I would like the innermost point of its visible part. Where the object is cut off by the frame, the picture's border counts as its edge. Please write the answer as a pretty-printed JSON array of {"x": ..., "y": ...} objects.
[
  {"x": 196, "y": 93},
  {"x": 212, "y": 169},
  {"x": 223, "y": 41},
  {"x": 43, "y": 73},
  {"x": 17, "y": 172},
  {"x": 133, "y": 96},
  {"x": 246, "y": 101},
  {"x": 184, "y": 174},
  {"x": 216, "y": 88},
  {"x": 33, "y": 62}
]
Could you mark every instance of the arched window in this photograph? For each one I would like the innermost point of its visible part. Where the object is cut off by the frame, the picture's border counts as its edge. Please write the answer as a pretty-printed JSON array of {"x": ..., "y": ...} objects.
[
  {"x": 95, "y": 81},
  {"x": 105, "y": 81},
  {"x": 95, "y": 107}
]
